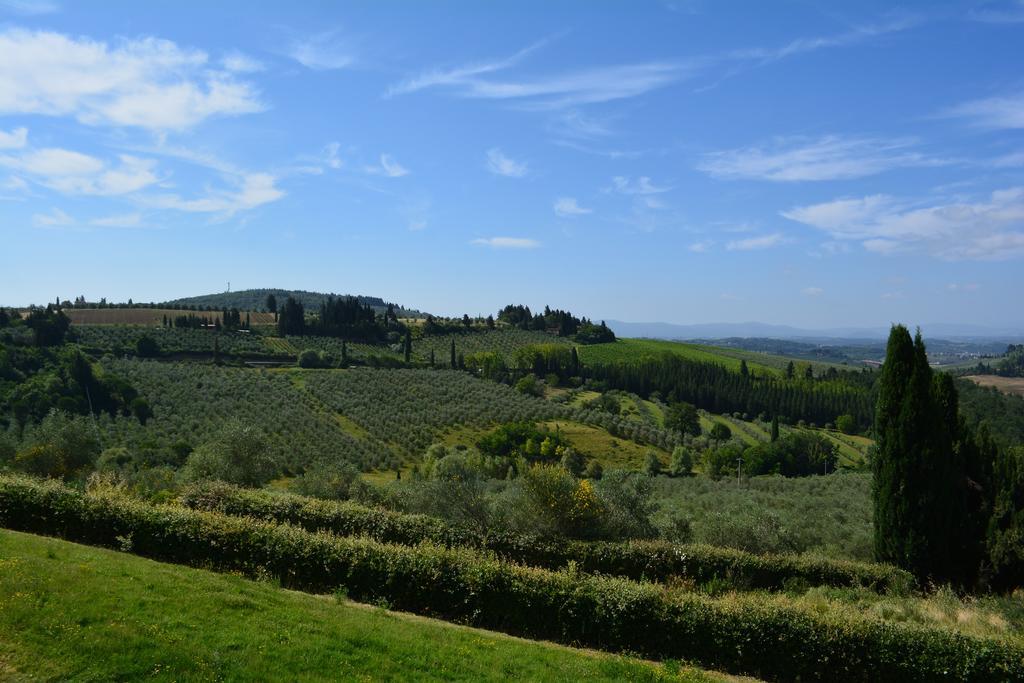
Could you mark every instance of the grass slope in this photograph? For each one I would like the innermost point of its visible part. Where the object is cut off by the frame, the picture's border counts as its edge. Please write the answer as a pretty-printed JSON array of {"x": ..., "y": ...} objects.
[
  {"x": 70, "y": 612},
  {"x": 633, "y": 349}
]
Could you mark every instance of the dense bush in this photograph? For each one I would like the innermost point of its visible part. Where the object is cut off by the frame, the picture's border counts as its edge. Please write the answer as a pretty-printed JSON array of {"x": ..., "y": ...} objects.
[
  {"x": 655, "y": 560},
  {"x": 741, "y": 635}
]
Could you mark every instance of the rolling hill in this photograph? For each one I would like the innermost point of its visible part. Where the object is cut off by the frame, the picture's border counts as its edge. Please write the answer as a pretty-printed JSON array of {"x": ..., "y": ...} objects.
[{"x": 255, "y": 300}]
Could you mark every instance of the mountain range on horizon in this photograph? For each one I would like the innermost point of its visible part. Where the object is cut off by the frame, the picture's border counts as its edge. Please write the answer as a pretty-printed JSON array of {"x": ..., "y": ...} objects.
[{"x": 722, "y": 330}]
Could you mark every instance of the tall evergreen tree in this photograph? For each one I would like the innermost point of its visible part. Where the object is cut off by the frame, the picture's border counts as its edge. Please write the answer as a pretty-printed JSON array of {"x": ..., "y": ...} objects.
[
  {"x": 408, "y": 346},
  {"x": 918, "y": 492},
  {"x": 453, "y": 362},
  {"x": 744, "y": 370},
  {"x": 775, "y": 429}
]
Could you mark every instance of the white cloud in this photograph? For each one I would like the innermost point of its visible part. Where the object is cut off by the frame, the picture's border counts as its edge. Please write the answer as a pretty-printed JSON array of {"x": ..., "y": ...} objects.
[
  {"x": 507, "y": 242},
  {"x": 567, "y": 206},
  {"x": 253, "y": 190},
  {"x": 812, "y": 291},
  {"x": 752, "y": 243},
  {"x": 74, "y": 173},
  {"x": 1000, "y": 112},
  {"x": 965, "y": 287},
  {"x": 322, "y": 52},
  {"x": 388, "y": 167},
  {"x": 16, "y": 139},
  {"x": 701, "y": 247},
  {"x": 237, "y": 62},
  {"x": 828, "y": 158},
  {"x": 147, "y": 82},
  {"x": 642, "y": 186},
  {"x": 990, "y": 228},
  {"x": 553, "y": 91},
  {"x": 29, "y": 7},
  {"x": 129, "y": 220},
  {"x": 55, "y": 219},
  {"x": 500, "y": 164},
  {"x": 331, "y": 157},
  {"x": 607, "y": 83},
  {"x": 994, "y": 13}
]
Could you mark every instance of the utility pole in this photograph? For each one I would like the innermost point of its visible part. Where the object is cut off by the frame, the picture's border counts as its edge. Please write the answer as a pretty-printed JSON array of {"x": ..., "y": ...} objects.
[{"x": 739, "y": 463}]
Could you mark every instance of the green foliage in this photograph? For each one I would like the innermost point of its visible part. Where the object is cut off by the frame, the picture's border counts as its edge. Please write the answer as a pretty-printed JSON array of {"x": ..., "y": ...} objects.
[
  {"x": 523, "y": 439},
  {"x": 682, "y": 462},
  {"x": 1005, "y": 533},
  {"x": 652, "y": 465},
  {"x": 608, "y": 613},
  {"x": 720, "y": 432},
  {"x": 846, "y": 424},
  {"x": 683, "y": 417},
  {"x": 61, "y": 446},
  {"x": 237, "y": 455},
  {"x": 920, "y": 487},
  {"x": 721, "y": 461},
  {"x": 798, "y": 454},
  {"x": 147, "y": 347},
  {"x": 310, "y": 358},
  {"x": 327, "y": 479},
  {"x": 529, "y": 386}
]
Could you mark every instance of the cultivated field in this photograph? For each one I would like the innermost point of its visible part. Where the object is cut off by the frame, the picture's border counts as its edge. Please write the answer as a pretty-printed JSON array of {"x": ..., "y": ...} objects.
[
  {"x": 1007, "y": 385},
  {"x": 148, "y": 316}
]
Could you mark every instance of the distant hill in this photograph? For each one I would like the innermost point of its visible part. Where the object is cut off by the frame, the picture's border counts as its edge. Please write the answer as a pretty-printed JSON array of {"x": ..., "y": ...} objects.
[
  {"x": 256, "y": 299},
  {"x": 658, "y": 330}
]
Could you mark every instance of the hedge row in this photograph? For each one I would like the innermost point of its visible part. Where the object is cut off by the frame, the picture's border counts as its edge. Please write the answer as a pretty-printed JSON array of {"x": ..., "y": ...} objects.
[
  {"x": 653, "y": 560},
  {"x": 741, "y": 635}
]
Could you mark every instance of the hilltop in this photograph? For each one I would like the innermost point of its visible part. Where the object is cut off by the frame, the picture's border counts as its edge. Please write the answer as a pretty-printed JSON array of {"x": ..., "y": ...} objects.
[{"x": 255, "y": 300}]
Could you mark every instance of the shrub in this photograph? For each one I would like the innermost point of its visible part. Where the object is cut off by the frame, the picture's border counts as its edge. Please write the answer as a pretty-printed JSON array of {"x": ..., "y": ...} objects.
[
  {"x": 746, "y": 635},
  {"x": 626, "y": 493},
  {"x": 238, "y": 455},
  {"x": 327, "y": 479}
]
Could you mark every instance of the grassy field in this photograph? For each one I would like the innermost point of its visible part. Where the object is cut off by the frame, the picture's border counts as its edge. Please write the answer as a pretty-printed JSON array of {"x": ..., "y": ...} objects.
[
  {"x": 148, "y": 316},
  {"x": 631, "y": 349},
  {"x": 1007, "y": 385},
  {"x": 71, "y": 612}
]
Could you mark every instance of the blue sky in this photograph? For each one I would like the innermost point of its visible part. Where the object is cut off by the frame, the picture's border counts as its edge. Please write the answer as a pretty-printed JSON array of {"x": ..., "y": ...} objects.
[{"x": 813, "y": 164}]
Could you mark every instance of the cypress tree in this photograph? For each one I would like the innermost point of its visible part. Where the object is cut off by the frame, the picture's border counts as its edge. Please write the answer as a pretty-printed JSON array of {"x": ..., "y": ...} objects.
[
  {"x": 775, "y": 429},
  {"x": 431, "y": 357},
  {"x": 344, "y": 353},
  {"x": 453, "y": 363},
  {"x": 918, "y": 492},
  {"x": 408, "y": 347}
]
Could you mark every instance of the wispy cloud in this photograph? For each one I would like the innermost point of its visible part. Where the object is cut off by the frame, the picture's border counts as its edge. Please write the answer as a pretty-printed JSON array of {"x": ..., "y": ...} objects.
[
  {"x": 754, "y": 243},
  {"x": 812, "y": 291},
  {"x": 568, "y": 206},
  {"x": 987, "y": 229},
  {"x": 16, "y": 139},
  {"x": 500, "y": 164},
  {"x": 828, "y": 158},
  {"x": 388, "y": 167},
  {"x": 146, "y": 83},
  {"x": 507, "y": 242},
  {"x": 54, "y": 219},
  {"x": 641, "y": 186},
  {"x": 127, "y": 220},
  {"x": 322, "y": 52},
  {"x": 237, "y": 62},
  {"x": 250, "y": 191},
  {"x": 701, "y": 247},
  {"x": 74, "y": 173},
  {"x": 588, "y": 85},
  {"x": 29, "y": 7},
  {"x": 999, "y": 13},
  {"x": 999, "y": 112}
]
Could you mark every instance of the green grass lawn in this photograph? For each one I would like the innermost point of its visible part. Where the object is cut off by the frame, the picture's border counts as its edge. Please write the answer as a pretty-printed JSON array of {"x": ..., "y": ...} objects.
[{"x": 71, "y": 612}]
